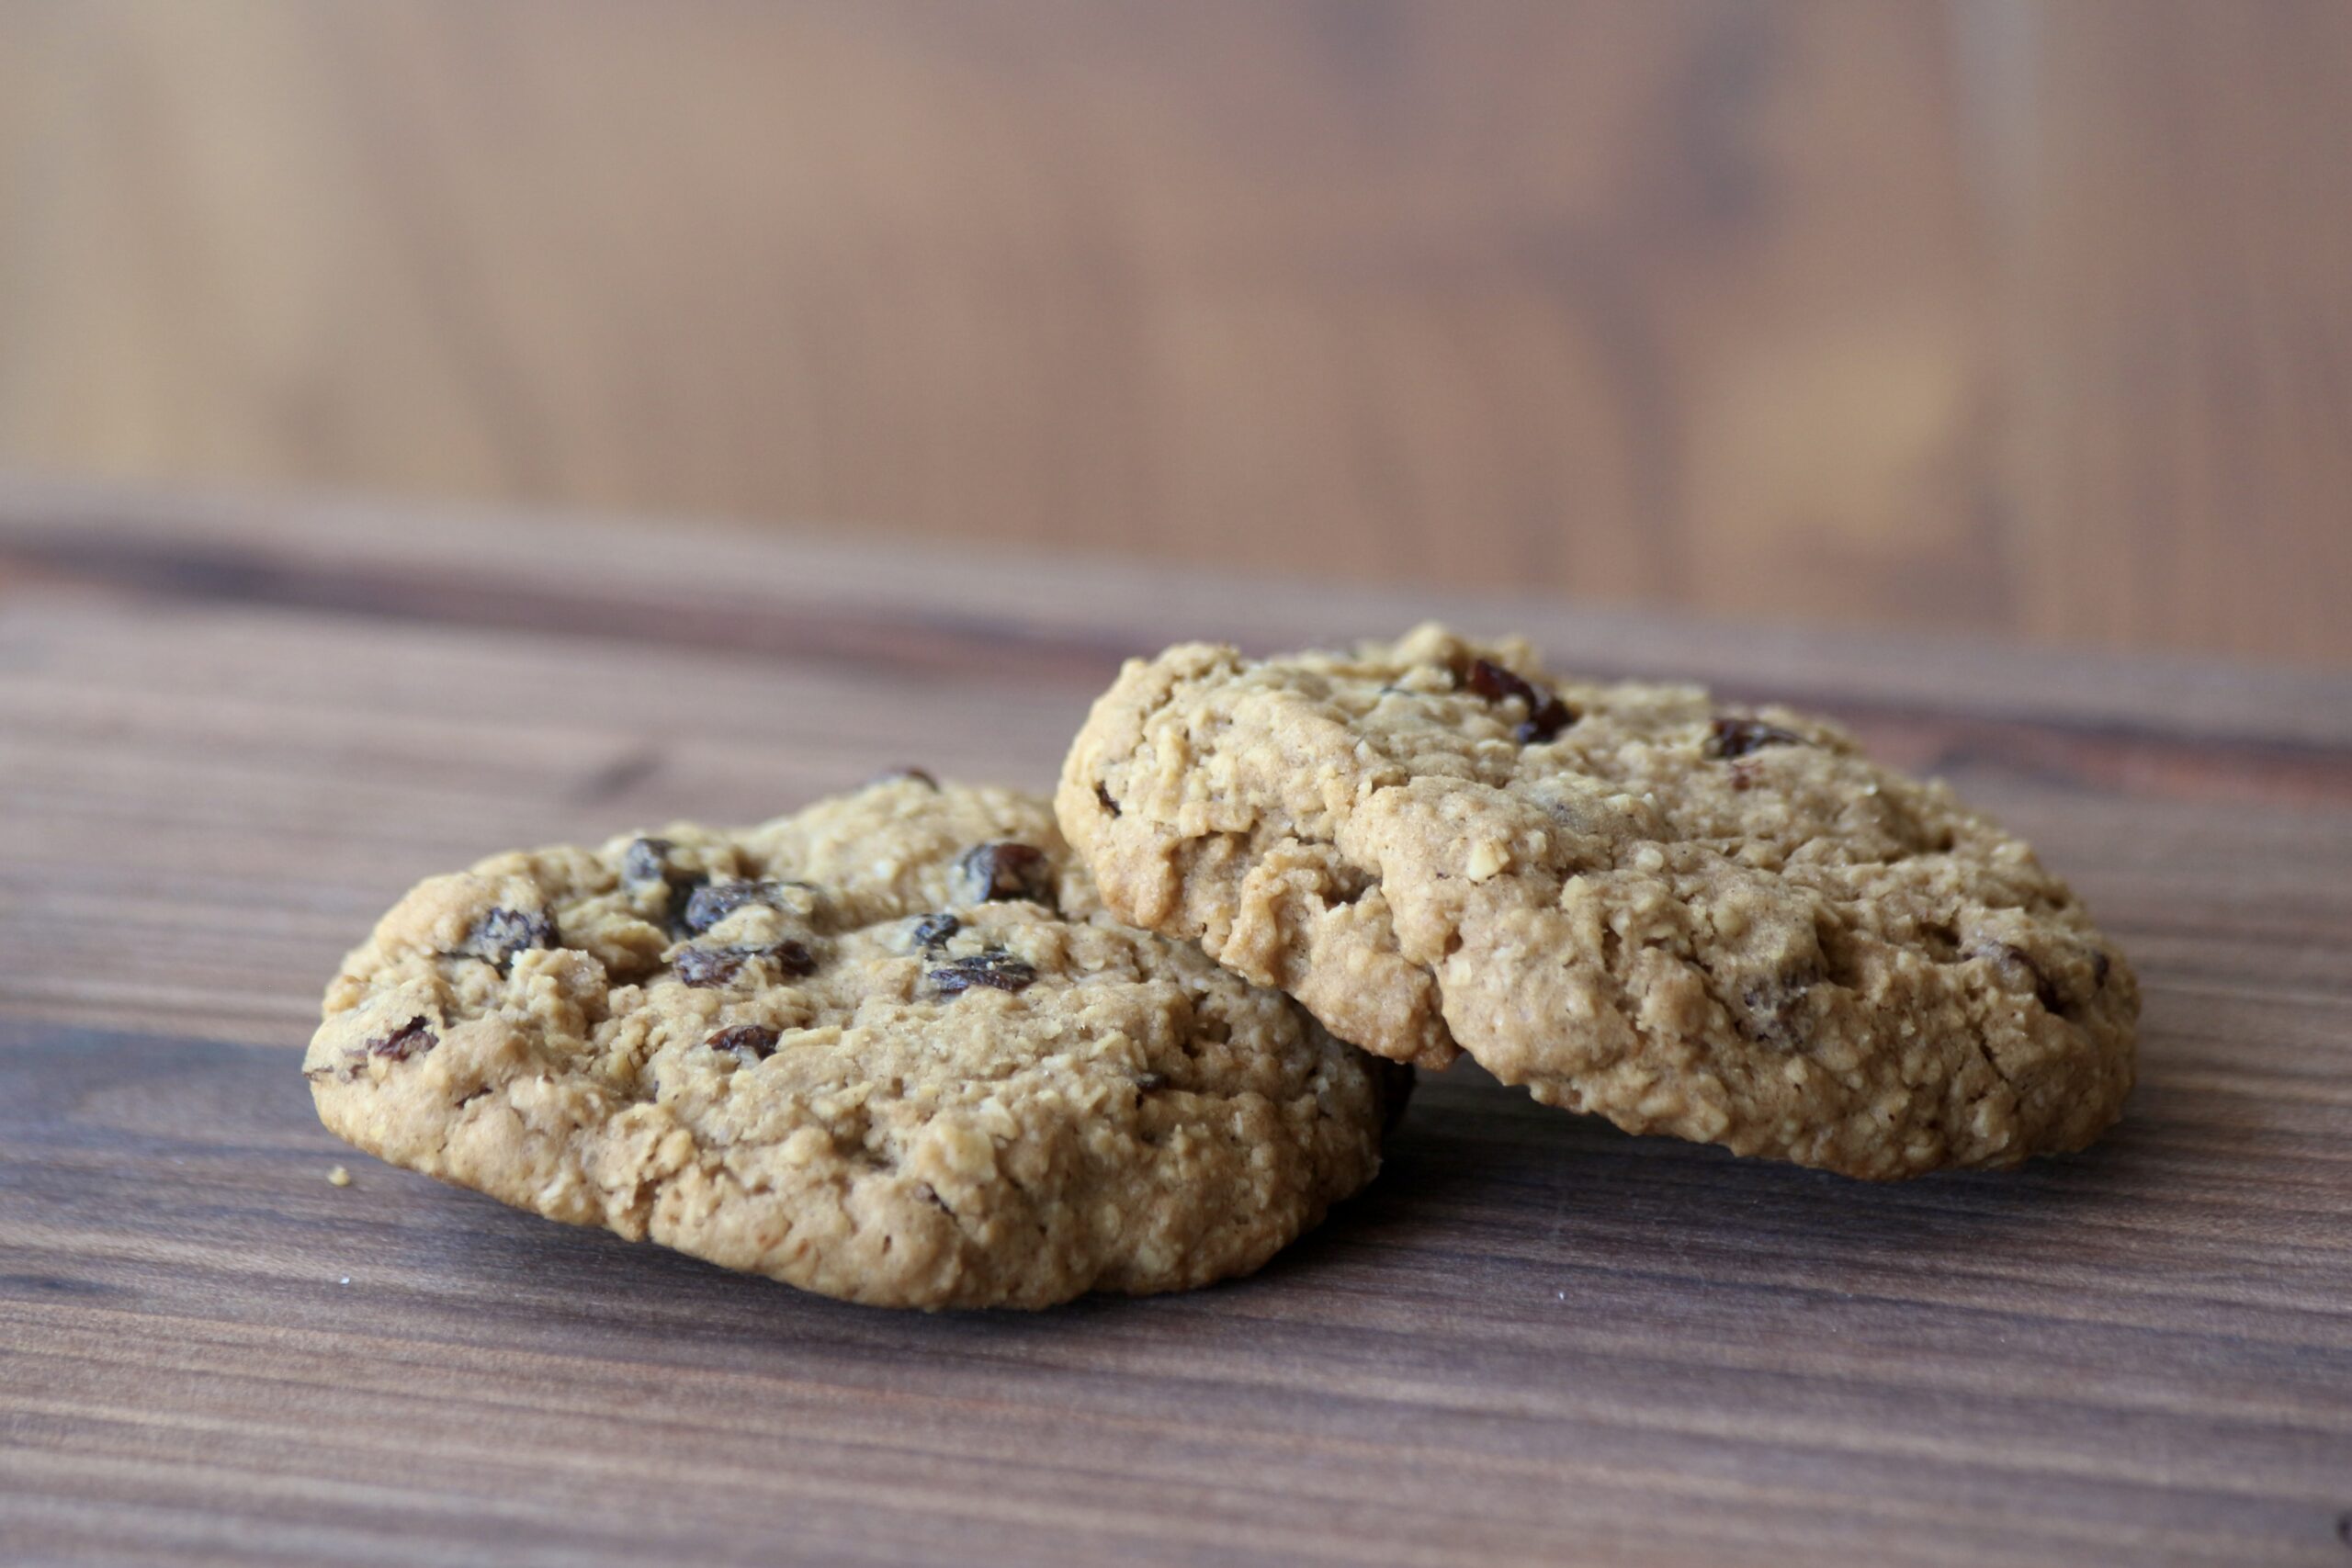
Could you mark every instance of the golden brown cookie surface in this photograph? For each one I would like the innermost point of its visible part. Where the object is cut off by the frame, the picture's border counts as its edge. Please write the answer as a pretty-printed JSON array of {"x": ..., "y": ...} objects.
[
  {"x": 891, "y": 1049},
  {"x": 1723, "y": 925}
]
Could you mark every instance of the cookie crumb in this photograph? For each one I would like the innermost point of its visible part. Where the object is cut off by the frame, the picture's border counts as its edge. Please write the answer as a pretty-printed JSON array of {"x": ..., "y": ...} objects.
[{"x": 339, "y": 1176}]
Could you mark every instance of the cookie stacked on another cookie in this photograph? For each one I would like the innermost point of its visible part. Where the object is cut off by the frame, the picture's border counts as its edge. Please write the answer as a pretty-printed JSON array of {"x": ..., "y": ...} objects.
[
  {"x": 1723, "y": 925},
  {"x": 890, "y": 1049}
]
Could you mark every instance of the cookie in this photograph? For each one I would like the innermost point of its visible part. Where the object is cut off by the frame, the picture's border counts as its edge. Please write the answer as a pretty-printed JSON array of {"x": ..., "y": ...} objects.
[
  {"x": 891, "y": 1049},
  {"x": 1723, "y": 925}
]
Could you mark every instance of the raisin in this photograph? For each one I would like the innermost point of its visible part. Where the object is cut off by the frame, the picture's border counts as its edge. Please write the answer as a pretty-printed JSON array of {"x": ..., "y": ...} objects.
[
  {"x": 1102, "y": 799},
  {"x": 894, "y": 775},
  {"x": 1773, "y": 1010},
  {"x": 995, "y": 969},
  {"x": 499, "y": 935},
  {"x": 1546, "y": 714},
  {"x": 714, "y": 901},
  {"x": 647, "y": 864},
  {"x": 756, "y": 1040},
  {"x": 1731, "y": 735},
  {"x": 2019, "y": 965},
  {"x": 1006, "y": 870},
  {"x": 647, "y": 861},
  {"x": 706, "y": 969},
  {"x": 411, "y": 1039},
  {"x": 932, "y": 932}
]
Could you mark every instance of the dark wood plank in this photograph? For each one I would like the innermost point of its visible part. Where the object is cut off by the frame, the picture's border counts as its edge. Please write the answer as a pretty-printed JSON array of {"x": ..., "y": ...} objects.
[
  {"x": 240, "y": 747},
  {"x": 2000, "y": 315},
  {"x": 1534, "y": 1338},
  {"x": 228, "y": 737}
]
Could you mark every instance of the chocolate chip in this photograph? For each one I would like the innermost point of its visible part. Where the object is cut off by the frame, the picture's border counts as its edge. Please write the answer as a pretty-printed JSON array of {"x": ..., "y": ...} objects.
[
  {"x": 1546, "y": 714},
  {"x": 714, "y": 901},
  {"x": 894, "y": 775},
  {"x": 995, "y": 969},
  {"x": 1731, "y": 735},
  {"x": 1102, "y": 799},
  {"x": 932, "y": 932},
  {"x": 706, "y": 969},
  {"x": 2101, "y": 964},
  {"x": 1006, "y": 870},
  {"x": 499, "y": 935},
  {"x": 757, "y": 1040},
  {"x": 411, "y": 1039}
]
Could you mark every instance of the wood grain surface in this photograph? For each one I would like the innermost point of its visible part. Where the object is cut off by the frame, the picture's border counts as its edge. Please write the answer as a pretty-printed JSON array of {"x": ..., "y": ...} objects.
[
  {"x": 228, "y": 737},
  {"x": 2027, "y": 315}
]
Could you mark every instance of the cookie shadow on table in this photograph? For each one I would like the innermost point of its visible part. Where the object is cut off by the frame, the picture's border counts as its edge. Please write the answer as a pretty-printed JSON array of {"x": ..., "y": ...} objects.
[
  {"x": 1480, "y": 1183},
  {"x": 1481, "y": 1186},
  {"x": 1480, "y": 1174}
]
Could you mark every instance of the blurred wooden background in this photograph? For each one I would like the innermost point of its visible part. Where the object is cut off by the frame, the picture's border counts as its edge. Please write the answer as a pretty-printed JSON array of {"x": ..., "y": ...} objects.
[{"x": 2028, "y": 317}]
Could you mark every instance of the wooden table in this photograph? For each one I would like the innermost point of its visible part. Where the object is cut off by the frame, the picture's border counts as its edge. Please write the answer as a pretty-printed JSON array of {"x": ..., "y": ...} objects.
[
  {"x": 228, "y": 737},
  {"x": 2026, "y": 317}
]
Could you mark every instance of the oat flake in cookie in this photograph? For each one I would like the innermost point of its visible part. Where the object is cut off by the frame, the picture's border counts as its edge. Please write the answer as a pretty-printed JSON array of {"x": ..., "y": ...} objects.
[
  {"x": 891, "y": 1049},
  {"x": 1714, "y": 923}
]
